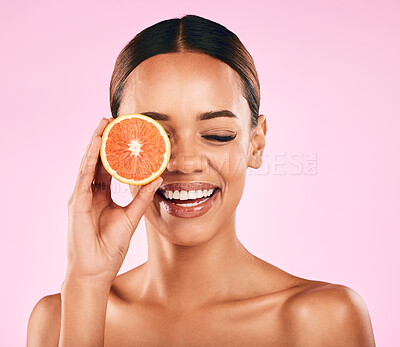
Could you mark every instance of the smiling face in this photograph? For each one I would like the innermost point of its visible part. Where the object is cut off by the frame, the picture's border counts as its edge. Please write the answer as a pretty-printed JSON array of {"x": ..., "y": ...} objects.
[{"x": 210, "y": 150}]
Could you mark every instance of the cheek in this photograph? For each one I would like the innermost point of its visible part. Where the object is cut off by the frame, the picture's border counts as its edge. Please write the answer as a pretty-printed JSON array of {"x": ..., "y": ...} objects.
[
  {"x": 231, "y": 166},
  {"x": 230, "y": 162}
]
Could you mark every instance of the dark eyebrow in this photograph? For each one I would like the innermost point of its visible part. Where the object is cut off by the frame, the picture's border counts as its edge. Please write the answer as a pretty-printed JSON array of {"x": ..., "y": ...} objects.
[
  {"x": 200, "y": 116},
  {"x": 156, "y": 115},
  {"x": 215, "y": 114}
]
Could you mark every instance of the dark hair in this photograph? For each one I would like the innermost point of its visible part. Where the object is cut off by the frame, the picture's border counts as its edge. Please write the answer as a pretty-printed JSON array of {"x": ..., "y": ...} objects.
[{"x": 190, "y": 33}]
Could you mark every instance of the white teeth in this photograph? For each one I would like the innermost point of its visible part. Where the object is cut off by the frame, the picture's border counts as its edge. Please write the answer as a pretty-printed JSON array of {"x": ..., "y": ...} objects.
[
  {"x": 185, "y": 194},
  {"x": 191, "y": 204},
  {"x": 192, "y": 194},
  {"x": 207, "y": 192}
]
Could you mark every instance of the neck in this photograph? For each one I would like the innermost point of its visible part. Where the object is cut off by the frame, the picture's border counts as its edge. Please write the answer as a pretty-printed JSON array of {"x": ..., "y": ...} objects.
[{"x": 185, "y": 277}]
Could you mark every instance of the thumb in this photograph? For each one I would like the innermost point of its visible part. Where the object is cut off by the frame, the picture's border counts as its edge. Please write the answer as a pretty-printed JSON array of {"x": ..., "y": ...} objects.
[{"x": 136, "y": 208}]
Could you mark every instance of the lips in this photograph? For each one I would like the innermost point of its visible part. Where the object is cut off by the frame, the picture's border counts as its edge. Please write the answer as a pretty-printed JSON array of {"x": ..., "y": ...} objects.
[
  {"x": 187, "y": 199},
  {"x": 188, "y": 186}
]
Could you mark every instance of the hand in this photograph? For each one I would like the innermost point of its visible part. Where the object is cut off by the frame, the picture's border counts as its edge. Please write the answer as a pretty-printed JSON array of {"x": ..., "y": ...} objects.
[{"x": 99, "y": 231}]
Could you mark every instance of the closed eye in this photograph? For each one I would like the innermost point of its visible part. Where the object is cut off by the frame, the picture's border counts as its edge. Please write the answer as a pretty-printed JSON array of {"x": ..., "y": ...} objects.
[{"x": 220, "y": 138}]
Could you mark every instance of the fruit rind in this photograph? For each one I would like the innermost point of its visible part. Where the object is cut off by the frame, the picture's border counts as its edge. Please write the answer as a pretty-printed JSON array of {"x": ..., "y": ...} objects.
[{"x": 104, "y": 156}]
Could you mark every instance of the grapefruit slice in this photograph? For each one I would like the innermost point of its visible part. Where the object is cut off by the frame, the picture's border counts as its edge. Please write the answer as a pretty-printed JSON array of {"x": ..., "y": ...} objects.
[{"x": 135, "y": 149}]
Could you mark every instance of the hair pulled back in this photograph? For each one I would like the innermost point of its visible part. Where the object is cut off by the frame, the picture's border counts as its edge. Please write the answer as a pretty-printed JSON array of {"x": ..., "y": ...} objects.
[{"x": 190, "y": 33}]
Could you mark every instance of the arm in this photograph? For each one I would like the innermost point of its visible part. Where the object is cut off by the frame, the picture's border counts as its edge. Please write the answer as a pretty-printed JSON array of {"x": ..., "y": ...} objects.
[
  {"x": 99, "y": 234},
  {"x": 332, "y": 315},
  {"x": 75, "y": 317},
  {"x": 83, "y": 312}
]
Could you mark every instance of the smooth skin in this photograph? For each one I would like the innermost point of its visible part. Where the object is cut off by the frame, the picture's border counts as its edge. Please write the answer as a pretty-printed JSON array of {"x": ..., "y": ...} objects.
[{"x": 199, "y": 286}]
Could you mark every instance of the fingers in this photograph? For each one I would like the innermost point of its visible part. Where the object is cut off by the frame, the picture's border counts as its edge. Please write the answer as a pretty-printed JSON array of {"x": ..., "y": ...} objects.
[
  {"x": 89, "y": 161},
  {"x": 102, "y": 180},
  {"x": 141, "y": 201},
  {"x": 134, "y": 190}
]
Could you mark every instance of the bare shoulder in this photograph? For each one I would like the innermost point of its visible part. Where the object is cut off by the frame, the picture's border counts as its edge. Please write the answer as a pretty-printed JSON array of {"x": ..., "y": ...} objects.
[
  {"x": 326, "y": 314},
  {"x": 44, "y": 322}
]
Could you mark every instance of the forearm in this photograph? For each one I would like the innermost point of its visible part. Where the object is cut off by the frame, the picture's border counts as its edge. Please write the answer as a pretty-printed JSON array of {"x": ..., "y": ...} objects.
[{"x": 83, "y": 313}]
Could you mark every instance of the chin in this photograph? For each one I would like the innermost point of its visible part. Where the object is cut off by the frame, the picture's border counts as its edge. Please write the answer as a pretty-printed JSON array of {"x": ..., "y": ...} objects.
[
  {"x": 186, "y": 241},
  {"x": 186, "y": 232}
]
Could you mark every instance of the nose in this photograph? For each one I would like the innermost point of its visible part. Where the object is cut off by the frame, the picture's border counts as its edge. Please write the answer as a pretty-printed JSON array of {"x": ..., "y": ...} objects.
[{"x": 186, "y": 157}]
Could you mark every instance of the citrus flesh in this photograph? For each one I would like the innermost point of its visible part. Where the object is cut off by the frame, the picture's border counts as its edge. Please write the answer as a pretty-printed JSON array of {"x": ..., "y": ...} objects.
[{"x": 135, "y": 149}]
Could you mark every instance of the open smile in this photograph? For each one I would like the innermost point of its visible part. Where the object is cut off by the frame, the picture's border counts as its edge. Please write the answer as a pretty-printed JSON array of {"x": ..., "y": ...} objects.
[{"x": 191, "y": 199}]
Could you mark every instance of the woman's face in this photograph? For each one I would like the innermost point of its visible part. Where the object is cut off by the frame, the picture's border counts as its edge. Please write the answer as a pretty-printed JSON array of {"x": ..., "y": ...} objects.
[{"x": 210, "y": 151}]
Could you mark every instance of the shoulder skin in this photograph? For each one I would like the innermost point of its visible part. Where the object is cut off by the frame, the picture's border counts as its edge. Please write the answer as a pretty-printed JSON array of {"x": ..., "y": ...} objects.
[
  {"x": 44, "y": 322},
  {"x": 328, "y": 315}
]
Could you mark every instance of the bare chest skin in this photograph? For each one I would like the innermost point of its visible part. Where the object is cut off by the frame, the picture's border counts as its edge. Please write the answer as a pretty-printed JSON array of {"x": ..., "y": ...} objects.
[{"x": 257, "y": 321}]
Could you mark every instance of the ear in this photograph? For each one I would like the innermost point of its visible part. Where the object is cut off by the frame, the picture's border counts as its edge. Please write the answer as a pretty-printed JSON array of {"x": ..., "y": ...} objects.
[{"x": 257, "y": 143}]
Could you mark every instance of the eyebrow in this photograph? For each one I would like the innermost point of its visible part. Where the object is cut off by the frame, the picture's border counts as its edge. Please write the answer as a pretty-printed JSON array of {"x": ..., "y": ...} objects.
[{"x": 201, "y": 116}]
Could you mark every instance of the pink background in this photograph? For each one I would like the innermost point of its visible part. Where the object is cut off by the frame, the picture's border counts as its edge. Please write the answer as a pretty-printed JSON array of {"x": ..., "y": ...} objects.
[{"x": 329, "y": 73}]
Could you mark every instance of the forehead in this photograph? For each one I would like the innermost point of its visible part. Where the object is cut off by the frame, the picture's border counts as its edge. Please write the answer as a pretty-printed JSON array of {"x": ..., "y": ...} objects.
[{"x": 183, "y": 83}]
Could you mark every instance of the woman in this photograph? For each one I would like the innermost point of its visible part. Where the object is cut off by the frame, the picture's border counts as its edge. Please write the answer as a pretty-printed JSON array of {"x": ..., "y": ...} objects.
[{"x": 200, "y": 286}]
